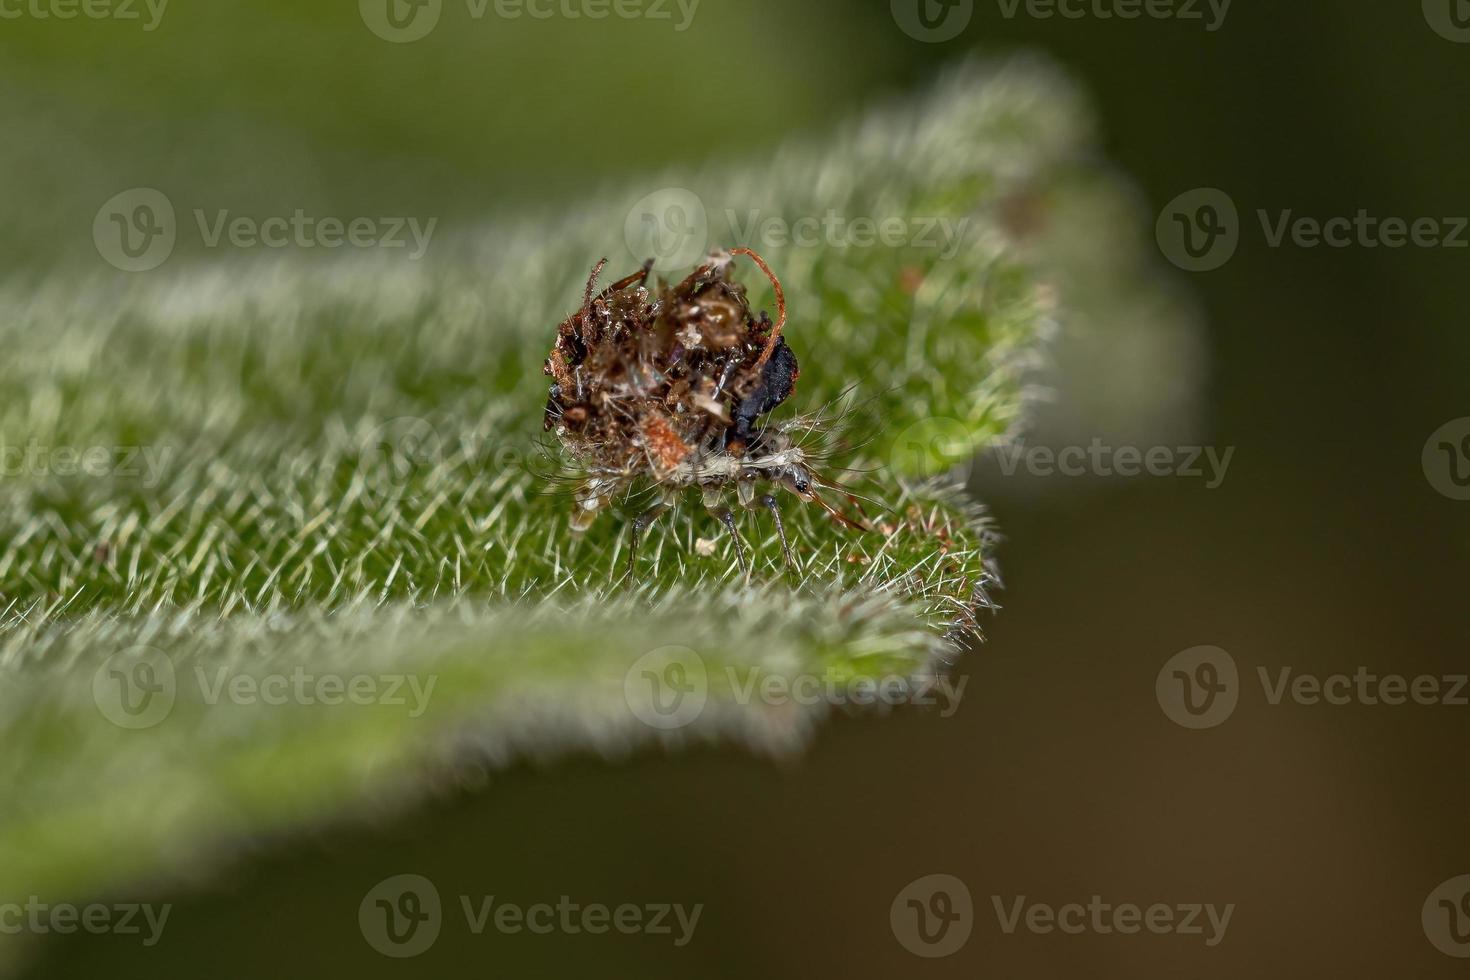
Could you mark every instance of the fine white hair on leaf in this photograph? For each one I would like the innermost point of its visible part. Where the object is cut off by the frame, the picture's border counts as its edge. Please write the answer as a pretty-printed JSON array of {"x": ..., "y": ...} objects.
[{"x": 339, "y": 467}]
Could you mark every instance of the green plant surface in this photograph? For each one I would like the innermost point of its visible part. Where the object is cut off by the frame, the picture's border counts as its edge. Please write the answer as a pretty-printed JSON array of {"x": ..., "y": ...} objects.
[{"x": 340, "y": 472}]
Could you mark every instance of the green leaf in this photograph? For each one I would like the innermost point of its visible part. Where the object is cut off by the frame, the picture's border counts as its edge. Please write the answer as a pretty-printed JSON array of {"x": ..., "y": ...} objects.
[{"x": 333, "y": 472}]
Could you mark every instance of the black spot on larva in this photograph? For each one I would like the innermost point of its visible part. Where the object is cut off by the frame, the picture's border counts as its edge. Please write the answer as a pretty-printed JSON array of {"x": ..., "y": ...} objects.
[{"x": 776, "y": 383}]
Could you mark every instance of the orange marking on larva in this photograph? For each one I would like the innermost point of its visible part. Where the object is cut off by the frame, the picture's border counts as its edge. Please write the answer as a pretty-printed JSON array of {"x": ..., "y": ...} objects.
[{"x": 664, "y": 446}]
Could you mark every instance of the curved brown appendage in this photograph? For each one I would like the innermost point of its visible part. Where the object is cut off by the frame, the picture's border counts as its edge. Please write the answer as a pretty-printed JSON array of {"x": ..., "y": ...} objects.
[
  {"x": 780, "y": 304},
  {"x": 592, "y": 285},
  {"x": 837, "y": 515},
  {"x": 640, "y": 277},
  {"x": 570, "y": 337}
]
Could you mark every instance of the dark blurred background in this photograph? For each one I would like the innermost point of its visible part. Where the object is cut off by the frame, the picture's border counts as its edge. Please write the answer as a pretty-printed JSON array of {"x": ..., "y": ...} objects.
[{"x": 1327, "y": 547}]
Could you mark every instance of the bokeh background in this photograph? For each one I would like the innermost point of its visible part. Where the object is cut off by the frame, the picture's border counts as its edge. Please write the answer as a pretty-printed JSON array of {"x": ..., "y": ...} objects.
[{"x": 1326, "y": 548}]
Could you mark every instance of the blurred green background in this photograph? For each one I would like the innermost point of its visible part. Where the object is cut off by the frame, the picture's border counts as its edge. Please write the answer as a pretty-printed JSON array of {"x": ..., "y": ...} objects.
[{"x": 1326, "y": 548}]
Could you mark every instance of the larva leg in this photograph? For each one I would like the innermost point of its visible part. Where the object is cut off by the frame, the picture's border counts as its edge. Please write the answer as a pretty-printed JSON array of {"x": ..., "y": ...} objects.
[
  {"x": 745, "y": 491},
  {"x": 727, "y": 518},
  {"x": 716, "y": 506},
  {"x": 769, "y": 502},
  {"x": 640, "y": 524}
]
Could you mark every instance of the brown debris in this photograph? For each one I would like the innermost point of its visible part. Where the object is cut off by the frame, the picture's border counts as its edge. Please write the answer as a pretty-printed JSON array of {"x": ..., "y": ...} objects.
[{"x": 646, "y": 374}]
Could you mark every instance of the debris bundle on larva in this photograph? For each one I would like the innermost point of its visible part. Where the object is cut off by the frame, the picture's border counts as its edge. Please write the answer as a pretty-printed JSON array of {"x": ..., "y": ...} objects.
[{"x": 669, "y": 387}]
